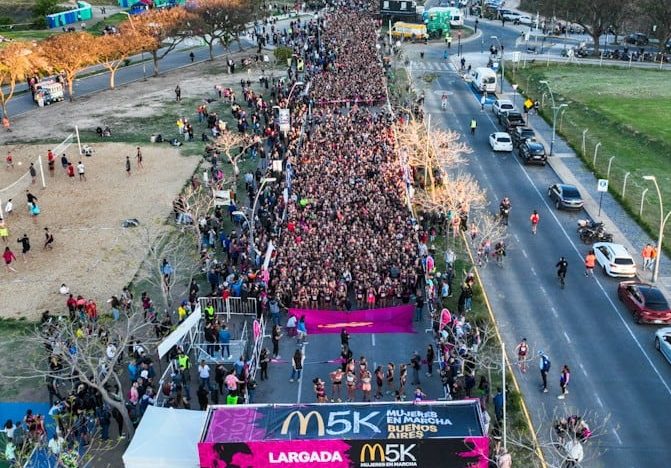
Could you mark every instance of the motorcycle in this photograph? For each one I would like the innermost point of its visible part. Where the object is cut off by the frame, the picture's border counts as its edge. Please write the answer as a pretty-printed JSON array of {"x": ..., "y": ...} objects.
[
  {"x": 599, "y": 234},
  {"x": 588, "y": 224}
]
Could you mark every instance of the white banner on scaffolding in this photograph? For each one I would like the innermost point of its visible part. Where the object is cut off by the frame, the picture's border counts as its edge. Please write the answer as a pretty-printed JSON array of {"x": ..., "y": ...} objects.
[{"x": 191, "y": 323}]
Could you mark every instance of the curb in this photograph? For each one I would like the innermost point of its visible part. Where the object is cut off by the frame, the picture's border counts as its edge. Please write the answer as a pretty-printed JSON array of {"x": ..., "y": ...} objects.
[{"x": 525, "y": 410}]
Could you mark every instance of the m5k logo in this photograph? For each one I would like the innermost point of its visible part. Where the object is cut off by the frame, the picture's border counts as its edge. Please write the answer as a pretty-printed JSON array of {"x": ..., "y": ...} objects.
[{"x": 381, "y": 455}]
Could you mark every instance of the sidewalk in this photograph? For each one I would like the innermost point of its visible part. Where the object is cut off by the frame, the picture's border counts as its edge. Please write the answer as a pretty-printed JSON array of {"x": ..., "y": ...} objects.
[{"x": 571, "y": 170}]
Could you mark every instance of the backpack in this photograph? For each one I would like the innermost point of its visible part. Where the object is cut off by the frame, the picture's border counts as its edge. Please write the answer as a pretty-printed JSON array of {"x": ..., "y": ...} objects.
[{"x": 546, "y": 363}]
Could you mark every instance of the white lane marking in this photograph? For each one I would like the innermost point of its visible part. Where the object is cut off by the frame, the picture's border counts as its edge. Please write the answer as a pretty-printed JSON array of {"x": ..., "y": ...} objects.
[
  {"x": 598, "y": 282},
  {"x": 567, "y": 338},
  {"x": 583, "y": 369},
  {"x": 542, "y": 289},
  {"x": 517, "y": 239},
  {"x": 617, "y": 436},
  {"x": 300, "y": 380},
  {"x": 554, "y": 312},
  {"x": 372, "y": 338},
  {"x": 598, "y": 400},
  {"x": 533, "y": 271},
  {"x": 524, "y": 252}
]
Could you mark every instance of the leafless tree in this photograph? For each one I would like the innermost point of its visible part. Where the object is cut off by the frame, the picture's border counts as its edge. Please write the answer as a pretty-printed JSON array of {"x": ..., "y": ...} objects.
[
  {"x": 170, "y": 261},
  {"x": 234, "y": 146},
  {"x": 196, "y": 202},
  {"x": 567, "y": 435},
  {"x": 88, "y": 351}
]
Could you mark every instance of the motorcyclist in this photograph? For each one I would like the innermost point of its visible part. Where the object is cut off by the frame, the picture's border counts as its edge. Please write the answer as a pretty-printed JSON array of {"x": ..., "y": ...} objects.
[
  {"x": 500, "y": 250},
  {"x": 504, "y": 209},
  {"x": 562, "y": 267}
]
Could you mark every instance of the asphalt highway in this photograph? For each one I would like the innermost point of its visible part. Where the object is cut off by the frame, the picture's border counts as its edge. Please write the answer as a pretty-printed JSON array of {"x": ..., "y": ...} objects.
[{"x": 618, "y": 381}]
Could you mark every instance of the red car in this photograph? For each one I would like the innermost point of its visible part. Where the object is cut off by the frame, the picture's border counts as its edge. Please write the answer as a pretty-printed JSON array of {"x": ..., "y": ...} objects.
[{"x": 647, "y": 303}]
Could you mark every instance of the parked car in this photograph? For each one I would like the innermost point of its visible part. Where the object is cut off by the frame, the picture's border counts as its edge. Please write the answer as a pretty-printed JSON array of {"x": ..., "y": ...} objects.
[
  {"x": 663, "y": 342},
  {"x": 502, "y": 105},
  {"x": 510, "y": 15},
  {"x": 638, "y": 39},
  {"x": 614, "y": 259},
  {"x": 510, "y": 120},
  {"x": 525, "y": 20},
  {"x": 532, "y": 152},
  {"x": 521, "y": 134},
  {"x": 565, "y": 196},
  {"x": 645, "y": 301},
  {"x": 500, "y": 141}
]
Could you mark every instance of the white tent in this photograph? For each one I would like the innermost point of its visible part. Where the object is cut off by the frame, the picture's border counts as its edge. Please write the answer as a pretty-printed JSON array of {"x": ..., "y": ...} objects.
[{"x": 166, "y": 438}]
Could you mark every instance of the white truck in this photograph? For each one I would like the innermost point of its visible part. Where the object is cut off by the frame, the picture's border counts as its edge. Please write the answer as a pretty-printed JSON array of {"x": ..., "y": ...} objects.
[{"x": 48, "y": 91}]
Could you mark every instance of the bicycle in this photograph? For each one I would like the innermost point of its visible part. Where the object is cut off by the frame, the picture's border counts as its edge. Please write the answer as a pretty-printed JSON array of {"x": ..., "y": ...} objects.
[
  {"x": 498, "y": 255},
  {"x": 562, "y": 278}
]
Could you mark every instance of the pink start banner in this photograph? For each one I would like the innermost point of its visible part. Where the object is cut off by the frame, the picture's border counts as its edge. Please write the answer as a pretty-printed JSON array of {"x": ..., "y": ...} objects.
[{"x": 396, "y": 319}]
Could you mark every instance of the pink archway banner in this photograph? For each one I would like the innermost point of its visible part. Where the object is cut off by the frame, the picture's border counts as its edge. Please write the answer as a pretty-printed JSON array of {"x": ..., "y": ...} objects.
[{"x": 396, "y": 319}]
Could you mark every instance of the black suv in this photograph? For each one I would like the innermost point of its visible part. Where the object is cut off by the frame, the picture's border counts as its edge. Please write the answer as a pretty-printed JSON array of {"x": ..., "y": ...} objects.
[
  {"x": 510, "y": 120},
  {"x": 520, "y": 134},
  {"x": 638, "y": 39},
  {"x": 532, "y": 152}
]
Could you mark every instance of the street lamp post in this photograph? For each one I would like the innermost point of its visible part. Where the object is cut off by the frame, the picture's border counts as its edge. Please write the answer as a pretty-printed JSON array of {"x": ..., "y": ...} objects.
[
  {"x": 555, "y": 112},
  {"x": 144, "y": 66},
  {"x": 501, "y": 49},
  {"x": 662, "y": 222},
  {"x": 252, "y": 244}
]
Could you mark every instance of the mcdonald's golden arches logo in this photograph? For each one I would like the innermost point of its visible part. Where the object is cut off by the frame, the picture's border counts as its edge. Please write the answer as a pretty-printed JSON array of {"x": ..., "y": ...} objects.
[
  {"x": 371, "y": 450},
  {"x": 303, "y": 421}
]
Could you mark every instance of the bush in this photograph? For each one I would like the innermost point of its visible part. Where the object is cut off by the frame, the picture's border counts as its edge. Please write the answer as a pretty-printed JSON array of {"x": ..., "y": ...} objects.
[
  {"x": 46, "y": 7},
  {"x": 282, "y": 54}
]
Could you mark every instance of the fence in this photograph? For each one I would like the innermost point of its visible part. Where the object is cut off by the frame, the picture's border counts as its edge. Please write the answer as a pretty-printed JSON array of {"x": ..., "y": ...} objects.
[
  {"x": 230, "y": 306},
  {"x": 214, "y": 352},
  {"x": 612, "y": 150}
]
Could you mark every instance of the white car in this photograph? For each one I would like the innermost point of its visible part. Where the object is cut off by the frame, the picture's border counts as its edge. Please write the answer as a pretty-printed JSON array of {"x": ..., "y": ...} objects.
[
  {"x": 500, "y": 141},
  {"x": 663, "y": 342},
  {"x": 502, "y": 105},
  {"x": 614, "y": 259},
  {"x": 525, "y": 20}
]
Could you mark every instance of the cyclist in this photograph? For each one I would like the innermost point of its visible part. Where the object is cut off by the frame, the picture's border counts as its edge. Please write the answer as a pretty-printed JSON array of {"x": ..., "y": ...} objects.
[
  {"x": 562, "y": 267},
  {"x": 500, "y": 252},
  {"x": 443, "y": 101},
  {"x": 504, "y": 209},
  {"x": 522, "y": 350},
  {"x": 534, "y": 218}
]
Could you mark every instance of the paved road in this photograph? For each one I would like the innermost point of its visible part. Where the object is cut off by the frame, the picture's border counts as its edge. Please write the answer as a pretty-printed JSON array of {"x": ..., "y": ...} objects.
[
  {"x": 615, "y": 370},
  {"x": 176, "y": 59}
]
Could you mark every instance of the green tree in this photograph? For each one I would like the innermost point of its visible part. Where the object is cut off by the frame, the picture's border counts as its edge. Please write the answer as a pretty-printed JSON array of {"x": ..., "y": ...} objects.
[{"x": 46, "y": 7}]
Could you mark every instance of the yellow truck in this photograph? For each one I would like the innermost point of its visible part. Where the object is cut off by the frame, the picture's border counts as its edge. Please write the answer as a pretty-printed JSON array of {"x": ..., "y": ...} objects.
[{"x": 409, "y": 31}]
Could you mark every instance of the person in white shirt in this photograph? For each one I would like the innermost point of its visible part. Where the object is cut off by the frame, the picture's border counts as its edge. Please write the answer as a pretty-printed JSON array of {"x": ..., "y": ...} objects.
[
  {"x": 204, "y": 374},
  {"x": 81, "y": 171},
  {"x": 56, "y": 444},
  {"x": 9, "y": 207},
  {"x": 64, "y": 290}
]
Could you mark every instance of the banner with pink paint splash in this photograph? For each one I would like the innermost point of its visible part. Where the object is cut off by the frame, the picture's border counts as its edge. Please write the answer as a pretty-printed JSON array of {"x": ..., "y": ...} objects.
[
  {"x": 467, "y": 452},
  {"x": 396, "y": 319},
  {"x": 353, "y": 435}
]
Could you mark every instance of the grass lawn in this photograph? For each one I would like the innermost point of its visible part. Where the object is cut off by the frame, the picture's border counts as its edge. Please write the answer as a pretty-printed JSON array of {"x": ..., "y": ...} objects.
[
  {"x": 29, "y": 34},
  {"x": 112, "y": 20},
  {"x": 12, "y": 331},
  {"x": 627, "y": 111}
]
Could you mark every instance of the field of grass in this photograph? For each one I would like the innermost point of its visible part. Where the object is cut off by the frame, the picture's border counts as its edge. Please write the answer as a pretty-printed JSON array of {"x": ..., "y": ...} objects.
[{"x": 627, "y": 112}]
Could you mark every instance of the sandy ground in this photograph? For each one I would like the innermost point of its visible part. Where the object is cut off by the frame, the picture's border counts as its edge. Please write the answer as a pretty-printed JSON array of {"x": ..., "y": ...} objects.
[{"x": 92, "y": 253}]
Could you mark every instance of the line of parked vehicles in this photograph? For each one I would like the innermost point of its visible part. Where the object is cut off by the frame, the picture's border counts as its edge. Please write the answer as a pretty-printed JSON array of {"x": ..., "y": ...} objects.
[{"x": 645, "y": 301}]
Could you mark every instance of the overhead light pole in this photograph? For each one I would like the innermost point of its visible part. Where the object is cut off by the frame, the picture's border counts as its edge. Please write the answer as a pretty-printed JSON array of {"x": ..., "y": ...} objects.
[
  {"x": 496, "y": 38},
  {"x": 555, "y": 112},
  {"x": 662, "y": 223}
]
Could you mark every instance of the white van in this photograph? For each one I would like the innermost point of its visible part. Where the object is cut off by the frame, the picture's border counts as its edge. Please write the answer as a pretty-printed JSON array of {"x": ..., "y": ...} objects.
[
  {"x": 484, "y": 80},
  {"x": 456, "y": 17}
]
